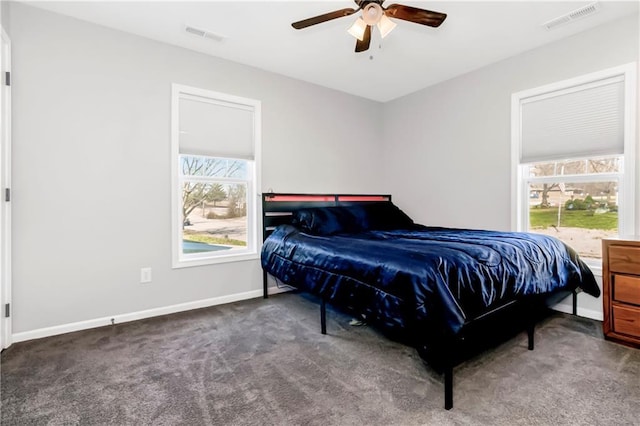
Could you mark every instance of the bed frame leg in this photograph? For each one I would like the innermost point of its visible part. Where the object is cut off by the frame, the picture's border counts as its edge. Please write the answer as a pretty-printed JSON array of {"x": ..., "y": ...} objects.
[
  {"x": 323, "y": 316},
  {"x": 448, "y": 363},
  {"x": 531, "y": 325},
  {"x": 265, "y": 291},
  {"x": 575, "y": 302},
  {"x": 448, "y": 386},
  {"x": 530, "y": 333}
]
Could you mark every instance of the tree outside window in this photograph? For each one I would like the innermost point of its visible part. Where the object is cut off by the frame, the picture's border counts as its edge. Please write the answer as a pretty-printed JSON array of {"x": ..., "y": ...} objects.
[
  {"x": 214, "y": 203},
  {"x": 575, "y": 201}
]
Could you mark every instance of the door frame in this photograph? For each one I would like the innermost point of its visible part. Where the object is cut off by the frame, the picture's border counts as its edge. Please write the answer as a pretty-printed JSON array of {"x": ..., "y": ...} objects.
[{"x": 5, "y": 181}]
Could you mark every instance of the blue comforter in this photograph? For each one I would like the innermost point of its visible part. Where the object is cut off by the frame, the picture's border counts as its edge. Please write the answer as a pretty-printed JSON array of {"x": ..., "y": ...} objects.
[{"x": 437, "y": 276}]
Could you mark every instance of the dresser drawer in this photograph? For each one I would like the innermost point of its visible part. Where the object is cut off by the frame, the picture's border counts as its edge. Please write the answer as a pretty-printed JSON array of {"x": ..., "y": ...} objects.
[
  {"x": 626, "y": 320},
  {"x": 626, "y": 289},
  {"x": 624, "y": 259}
]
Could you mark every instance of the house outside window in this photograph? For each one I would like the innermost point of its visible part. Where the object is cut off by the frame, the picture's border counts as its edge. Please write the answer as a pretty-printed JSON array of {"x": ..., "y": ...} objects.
[
  {"x": 574, "y": 160},
  {"x": 215, "y": 148}
]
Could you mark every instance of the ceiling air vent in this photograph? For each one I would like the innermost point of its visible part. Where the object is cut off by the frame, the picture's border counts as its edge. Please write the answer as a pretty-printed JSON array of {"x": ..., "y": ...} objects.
[
  {"x": 587, "y": 10},
  {"x": 203, "y": 33}
]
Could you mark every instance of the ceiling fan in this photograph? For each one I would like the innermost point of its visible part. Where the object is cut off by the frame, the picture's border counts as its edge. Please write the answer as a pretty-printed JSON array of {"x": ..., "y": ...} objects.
[{"x": 373, "y": 13}]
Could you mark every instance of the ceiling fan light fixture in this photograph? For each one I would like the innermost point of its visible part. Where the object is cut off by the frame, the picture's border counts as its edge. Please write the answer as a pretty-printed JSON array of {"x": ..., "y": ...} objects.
[
  {"x": 372, "y": 13},
  {"x": 357, "y": 29},
  {"x": 385, "y": 25}
]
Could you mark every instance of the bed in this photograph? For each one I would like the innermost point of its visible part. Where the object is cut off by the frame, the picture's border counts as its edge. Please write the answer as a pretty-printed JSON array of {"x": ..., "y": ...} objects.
[{"x": 430, "y": 284}]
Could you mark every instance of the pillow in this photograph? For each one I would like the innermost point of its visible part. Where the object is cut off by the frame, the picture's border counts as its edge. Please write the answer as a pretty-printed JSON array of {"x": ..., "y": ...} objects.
[
  {"x": 385, "y": 216},
  {"x": 351, "y": 219},
  {"x": 326, "y": 220}
]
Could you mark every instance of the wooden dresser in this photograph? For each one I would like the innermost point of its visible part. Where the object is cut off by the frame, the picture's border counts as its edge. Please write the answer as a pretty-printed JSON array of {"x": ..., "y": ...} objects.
[{"x": 621, "y": 290}]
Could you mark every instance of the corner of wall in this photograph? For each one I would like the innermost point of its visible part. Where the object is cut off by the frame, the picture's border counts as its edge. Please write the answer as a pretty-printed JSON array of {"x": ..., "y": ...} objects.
[{"x": 5, "y": 11}]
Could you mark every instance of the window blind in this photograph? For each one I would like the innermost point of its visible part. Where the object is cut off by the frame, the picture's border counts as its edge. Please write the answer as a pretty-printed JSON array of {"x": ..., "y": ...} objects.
[
  {"x": 216, "y": 129},
  {"x": 584, "y": 121}
]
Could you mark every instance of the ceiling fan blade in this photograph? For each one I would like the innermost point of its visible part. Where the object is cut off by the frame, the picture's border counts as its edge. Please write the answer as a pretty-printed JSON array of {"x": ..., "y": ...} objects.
[
  {"x": 413, "y": 14},
  {"x": 323, "y": 18},
  {"x": 363, "y": 45}
]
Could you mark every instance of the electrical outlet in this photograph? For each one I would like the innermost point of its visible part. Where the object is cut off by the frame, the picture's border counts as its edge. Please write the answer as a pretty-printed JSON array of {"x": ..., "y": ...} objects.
[{"x": 145, "y": 275}]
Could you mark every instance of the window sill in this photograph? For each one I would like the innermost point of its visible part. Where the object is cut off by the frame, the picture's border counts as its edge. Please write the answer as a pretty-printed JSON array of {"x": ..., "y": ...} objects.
[{"x": 240, "y": 257}]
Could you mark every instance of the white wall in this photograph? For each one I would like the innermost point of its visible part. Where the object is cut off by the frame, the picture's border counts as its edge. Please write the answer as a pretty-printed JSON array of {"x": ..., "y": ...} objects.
[
  {"x": 91, "y": 163},
  {"x": 4, "y": 16},
  {"x": 447, "y": 147}
]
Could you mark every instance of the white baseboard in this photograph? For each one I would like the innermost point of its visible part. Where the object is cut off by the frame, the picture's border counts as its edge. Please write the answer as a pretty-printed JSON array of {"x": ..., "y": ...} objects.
[
  {"x": 582, "y": 312},
  {"x": 133, "y": 316},
  {"x": 181, "y": 307}
]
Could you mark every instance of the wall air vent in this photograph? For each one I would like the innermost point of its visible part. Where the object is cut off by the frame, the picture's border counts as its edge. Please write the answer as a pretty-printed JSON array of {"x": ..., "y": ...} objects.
[
  {"x": 203, "y": 33},
  {"x": 587, "y": 10}
]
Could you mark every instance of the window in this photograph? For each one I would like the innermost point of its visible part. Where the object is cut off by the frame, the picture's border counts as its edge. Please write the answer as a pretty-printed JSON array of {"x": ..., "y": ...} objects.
[
  {"x": 573, "y": 155},
  {"x": 575, "y": 200},
  {"x": 215, "y": 146}
]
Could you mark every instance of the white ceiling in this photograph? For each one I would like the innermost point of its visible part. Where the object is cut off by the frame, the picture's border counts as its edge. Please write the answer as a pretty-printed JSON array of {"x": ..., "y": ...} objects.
[{"x": 475, "y": 33}]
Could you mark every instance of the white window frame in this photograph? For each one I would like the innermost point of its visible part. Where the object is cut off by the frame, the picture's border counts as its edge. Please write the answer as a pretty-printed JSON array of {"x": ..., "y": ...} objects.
[
  {"x": 628, "y": 201},
  {"x": 179, "y": 259}
]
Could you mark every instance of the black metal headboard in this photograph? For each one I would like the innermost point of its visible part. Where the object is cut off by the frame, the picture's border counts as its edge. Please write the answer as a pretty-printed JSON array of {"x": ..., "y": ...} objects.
[{"x": 277, "y": 209}]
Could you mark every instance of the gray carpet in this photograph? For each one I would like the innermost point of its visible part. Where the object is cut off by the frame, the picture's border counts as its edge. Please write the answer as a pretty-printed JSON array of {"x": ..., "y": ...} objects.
[{"x": 263, "y": 362}]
